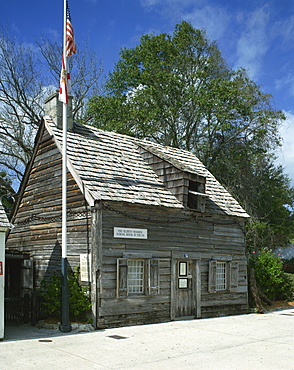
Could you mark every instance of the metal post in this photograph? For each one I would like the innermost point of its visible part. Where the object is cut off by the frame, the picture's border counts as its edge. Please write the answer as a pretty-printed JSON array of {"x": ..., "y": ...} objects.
[{"x": 64, "y": 326}]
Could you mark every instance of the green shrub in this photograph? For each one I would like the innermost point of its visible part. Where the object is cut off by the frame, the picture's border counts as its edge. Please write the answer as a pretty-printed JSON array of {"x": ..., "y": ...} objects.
[
  {"x": 270, "y": 277},
  {"x": 291, "y": 277},
  {"x": 50, "y": 292},
  {"x": 79, "y": 301}
]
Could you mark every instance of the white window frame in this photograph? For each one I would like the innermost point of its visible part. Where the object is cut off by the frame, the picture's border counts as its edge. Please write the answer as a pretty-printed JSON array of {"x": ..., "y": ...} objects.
[
  {"x": 136, "y": 276},
  {"x": 221, "y": 275},
  {"x": 148, "y": 283},
  {"x": 216, "y": 281}
]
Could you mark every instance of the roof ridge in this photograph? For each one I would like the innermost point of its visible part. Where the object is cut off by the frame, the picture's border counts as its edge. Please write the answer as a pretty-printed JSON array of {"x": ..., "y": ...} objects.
[{"x": 110, "y": 166}]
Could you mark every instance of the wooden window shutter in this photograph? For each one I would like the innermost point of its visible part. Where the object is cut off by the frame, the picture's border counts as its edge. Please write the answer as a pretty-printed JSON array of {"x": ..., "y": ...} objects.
[
  {"x": 234, "y": 275},
  {"x": 212, "y": 277},
  {"x": 153, "y": 277},
  {"x": 122, "y": 278}
]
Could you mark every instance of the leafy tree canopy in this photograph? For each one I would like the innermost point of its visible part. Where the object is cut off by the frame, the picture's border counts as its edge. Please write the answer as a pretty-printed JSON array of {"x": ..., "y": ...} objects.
[{"x": 177, "y": 90}]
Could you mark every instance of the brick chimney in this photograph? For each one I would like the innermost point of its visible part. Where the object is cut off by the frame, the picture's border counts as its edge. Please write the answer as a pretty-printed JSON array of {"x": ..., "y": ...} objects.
[{"x": 54, "y": 107}]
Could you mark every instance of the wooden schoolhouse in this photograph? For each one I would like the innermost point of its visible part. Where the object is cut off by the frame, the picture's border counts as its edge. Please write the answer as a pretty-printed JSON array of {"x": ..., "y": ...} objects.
[{"x": 155, "y": 235}]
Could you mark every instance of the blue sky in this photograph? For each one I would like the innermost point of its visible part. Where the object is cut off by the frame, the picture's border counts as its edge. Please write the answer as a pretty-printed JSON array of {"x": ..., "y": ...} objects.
[{"x": 252, "y": 34}]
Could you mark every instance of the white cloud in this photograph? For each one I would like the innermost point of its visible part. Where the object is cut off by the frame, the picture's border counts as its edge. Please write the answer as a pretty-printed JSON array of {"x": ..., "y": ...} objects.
[
  {"x": 285, "y": 30},
  {"x": 254, "y": 41},
  {"x": 286, "y": 82},
  {"x": 286, "y": 153},
  {"x": 213, "y": 20},
  {"x": 170, "y": 3},
  {"x": 150, "y": 3}
]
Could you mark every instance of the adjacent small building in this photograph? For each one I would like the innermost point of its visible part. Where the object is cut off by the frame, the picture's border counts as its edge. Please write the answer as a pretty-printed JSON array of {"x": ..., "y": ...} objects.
[
  {"x": 4, "y": 226},
  {"x": 155, "y": 235}
]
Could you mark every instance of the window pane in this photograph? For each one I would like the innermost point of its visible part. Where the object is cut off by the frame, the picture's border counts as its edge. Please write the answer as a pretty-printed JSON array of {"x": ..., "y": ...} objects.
[
  {"x": 136, "y": 276},
  {"x": 221, "y": 276}
]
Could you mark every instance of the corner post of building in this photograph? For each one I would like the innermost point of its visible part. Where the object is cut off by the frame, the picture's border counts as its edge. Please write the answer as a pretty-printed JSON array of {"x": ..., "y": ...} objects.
[
  {"x": 4, "y": 227},
  {"x": 2, "y": 281},
  {"x": 173, "y": 287},
  {"x": 198, "y": 288},
  {"x": 96, "y": 253}
]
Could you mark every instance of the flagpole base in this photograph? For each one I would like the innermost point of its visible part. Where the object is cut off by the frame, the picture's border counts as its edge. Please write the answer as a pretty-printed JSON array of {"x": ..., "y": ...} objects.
[{"x": 64, "y": 327}]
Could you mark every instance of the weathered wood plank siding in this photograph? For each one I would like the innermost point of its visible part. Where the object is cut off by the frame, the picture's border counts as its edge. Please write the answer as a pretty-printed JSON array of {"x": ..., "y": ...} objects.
[
  {"x": 176, "y": 180},
  {"x": 37, "y": 228},
  {"x": 211, "y": 237},
  {"x": 212, "y": 234}
]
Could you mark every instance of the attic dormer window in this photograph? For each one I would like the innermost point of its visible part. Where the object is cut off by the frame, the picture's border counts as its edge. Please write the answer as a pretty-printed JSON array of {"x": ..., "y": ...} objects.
[{"x": 196, "y": 195}]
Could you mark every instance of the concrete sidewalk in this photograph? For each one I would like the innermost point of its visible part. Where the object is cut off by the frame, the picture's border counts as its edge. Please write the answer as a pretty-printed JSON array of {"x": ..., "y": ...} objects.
[{"x": 234, "y": 342}]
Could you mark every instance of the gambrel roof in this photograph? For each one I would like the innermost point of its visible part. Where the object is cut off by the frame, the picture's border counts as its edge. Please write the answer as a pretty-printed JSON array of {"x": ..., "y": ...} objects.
[{"x": 108, "y": 166}]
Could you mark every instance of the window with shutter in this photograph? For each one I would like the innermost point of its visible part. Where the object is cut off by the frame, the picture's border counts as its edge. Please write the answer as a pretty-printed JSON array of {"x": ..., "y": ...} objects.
[
  {"x": 122, "y": 277},
  {"x": 153, "y": 277},
  {"x": 137, "y": 277},
  {"x": 212, "y": 277},
  {"x": 223, "y": 276},
  {"x": 234, "y": 275}
]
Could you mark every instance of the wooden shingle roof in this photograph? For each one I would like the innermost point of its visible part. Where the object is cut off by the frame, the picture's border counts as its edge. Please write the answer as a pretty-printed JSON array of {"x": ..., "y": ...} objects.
[
  {"x": 4, "y": 223},
  {"x": 108, "y": 166},
  {"x": 219, "y": 199}
]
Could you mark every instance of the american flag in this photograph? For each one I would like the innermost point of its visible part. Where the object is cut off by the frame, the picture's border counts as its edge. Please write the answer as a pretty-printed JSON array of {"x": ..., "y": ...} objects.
[
  {"x": 70, "y": 38},
  {"x": 70, "y": 49}
]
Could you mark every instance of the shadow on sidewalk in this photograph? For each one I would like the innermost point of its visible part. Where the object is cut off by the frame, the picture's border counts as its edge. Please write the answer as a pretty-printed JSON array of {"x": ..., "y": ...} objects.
[{"x": 15, "y": 332}]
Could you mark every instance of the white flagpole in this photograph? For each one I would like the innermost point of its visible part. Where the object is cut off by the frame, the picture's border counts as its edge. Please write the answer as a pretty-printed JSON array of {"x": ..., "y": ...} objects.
[
  {"x": 64, "y": 327},
  {"x": 64, "y": 149}
]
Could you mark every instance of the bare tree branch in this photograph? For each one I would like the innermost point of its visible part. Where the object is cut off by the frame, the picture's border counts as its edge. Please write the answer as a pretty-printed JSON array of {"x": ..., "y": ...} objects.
[{"x": 28, "y": 75}]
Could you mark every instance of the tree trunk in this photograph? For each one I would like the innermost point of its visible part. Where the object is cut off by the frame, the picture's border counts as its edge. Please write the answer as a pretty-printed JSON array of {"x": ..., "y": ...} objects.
[
  {"x": 264, "y": 297},
  {"x": 254, "y": 291}
]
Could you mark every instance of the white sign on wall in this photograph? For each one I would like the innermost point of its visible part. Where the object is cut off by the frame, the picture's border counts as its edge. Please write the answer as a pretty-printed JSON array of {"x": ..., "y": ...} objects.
[
  {"x": 120, "y": 232},
  {"x": 85, "y": 267}
]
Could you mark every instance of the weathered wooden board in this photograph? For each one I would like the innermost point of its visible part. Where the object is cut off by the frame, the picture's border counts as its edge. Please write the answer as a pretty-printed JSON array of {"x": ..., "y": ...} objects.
[{"x": 171, "y": 231}]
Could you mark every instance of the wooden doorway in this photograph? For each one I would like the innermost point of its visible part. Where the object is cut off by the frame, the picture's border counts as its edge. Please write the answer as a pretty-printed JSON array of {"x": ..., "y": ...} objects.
[
  {"x": 186, "y": 303},
  {"x": 13, "y": 302},
  {"x": 18, "y": 287},
  {"x": 186, "y": 289}
]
